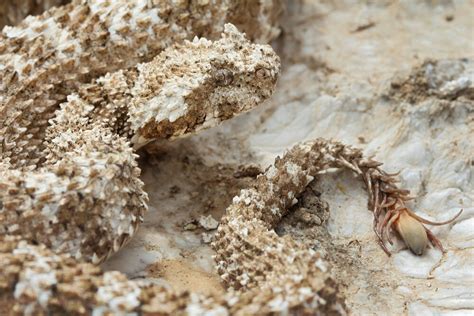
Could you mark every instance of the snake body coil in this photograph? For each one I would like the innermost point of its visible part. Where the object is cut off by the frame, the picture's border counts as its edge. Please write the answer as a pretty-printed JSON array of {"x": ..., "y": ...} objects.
[{"x": 74, "y": 105}]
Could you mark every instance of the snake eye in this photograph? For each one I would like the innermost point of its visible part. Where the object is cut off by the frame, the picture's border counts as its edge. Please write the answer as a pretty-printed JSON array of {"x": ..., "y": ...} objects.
[
  {"x": 262, "y": 73},
  {"x": 224, "y": 77}
]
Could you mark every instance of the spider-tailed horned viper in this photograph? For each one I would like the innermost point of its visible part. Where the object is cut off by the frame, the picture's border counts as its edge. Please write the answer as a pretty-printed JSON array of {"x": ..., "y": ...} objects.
[{"x": 82, "y": 87}]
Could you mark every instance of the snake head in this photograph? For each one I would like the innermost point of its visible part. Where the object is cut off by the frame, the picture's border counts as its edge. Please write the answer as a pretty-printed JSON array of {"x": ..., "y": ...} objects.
[
  {"x": 243, "y": 74},
  {"x": 200, "y": 83}
]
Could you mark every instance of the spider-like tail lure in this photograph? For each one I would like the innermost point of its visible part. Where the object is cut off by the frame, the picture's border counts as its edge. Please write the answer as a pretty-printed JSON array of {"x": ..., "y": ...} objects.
[{"x": 387, "y": 202}]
